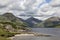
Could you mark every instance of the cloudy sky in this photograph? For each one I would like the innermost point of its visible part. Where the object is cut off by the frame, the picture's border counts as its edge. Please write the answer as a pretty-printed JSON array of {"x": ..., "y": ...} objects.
[{"x": 43, "y": 8}]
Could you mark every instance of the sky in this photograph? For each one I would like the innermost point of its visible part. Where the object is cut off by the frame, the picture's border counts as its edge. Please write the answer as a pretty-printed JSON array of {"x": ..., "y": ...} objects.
[{"x": 43, "y": 8}]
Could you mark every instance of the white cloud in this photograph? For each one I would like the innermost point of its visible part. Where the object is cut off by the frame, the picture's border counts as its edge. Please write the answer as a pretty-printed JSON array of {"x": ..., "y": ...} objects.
[
  {"x": 55, "y": 2},
  {"x": 56, "y": 7},
  {"x": 37, "y": 7}
]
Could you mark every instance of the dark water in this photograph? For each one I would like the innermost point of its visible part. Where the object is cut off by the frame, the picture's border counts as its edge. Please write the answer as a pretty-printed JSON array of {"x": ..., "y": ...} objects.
[{"x": 52, "y": 31}]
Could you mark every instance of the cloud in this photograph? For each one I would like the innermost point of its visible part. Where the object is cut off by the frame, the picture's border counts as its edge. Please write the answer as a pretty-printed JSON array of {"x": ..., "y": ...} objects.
[
  {"x": 55, "y": 3},
  {"x": 36, "y": 7},
  {"x": 56, "y": 7},
  {"x": 50, "y": 9}
]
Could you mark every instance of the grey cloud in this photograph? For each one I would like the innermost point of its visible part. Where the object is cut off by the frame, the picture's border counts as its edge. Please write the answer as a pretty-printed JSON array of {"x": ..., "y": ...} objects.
[
  {"x": 3, "y": 6},
  {"x": 17, "y": 9},
  {"x": 56, "y": 5}
]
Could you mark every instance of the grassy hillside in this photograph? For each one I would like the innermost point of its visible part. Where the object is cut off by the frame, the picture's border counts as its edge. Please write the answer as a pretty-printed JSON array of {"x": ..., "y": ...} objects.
[
  {"x": 3, "y": 38},
  {"x": 53, "y": 22},
  {"x": 9, "y": 18},
  {"x": 9, "y": 25}
]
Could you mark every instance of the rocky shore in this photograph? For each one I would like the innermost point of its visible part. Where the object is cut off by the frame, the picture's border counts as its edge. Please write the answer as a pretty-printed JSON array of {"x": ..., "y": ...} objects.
[{"x": 31, "y": 34}]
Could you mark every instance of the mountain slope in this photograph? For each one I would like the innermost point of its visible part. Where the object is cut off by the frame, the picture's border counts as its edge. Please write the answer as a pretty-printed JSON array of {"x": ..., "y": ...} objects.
[
  {"x": 33, "y": 21},
  {"x": 11, "y": 25},
  {"x": 9, "y": 18},
  {"x": 52, "y": 22}
]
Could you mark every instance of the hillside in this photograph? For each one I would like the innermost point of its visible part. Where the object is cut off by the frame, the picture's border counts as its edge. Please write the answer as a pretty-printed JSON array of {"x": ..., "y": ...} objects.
[
  {"x": 9, "y": 17},
  {"x": 52, "y": 22},
  {"x": 11, "y": 25},
  {"x": 32, "y": 22}
]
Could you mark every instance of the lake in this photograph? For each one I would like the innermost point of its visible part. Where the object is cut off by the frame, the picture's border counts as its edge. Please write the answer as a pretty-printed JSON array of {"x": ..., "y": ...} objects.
[{"x": 53, "y": 31}]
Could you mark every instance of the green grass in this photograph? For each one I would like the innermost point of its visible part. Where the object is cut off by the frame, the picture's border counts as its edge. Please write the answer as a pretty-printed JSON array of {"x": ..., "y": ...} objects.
[
  {"x": 58, "y": 26},
  {"x": 3, "y": 38},
  {"x": 5, "y": 33}
]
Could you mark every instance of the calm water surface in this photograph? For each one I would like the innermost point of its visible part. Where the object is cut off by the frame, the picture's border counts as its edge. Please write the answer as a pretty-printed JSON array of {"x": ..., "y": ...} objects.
[{"x": 52, "y": 31}]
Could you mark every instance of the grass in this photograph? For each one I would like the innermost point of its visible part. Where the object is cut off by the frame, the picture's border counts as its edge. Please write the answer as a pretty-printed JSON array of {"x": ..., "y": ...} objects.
[
  {"x": 4, "y": 34},
  {"x": 3, "y": 38}
]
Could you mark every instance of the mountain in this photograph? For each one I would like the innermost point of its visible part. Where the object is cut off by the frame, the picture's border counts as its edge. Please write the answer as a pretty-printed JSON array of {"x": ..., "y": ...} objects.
[
  {"x": 11, "y": 25},
  {"x": 32, "y": 21},
  {"x": 9, "y": 18},
  {"x": 52, "y": 22}
]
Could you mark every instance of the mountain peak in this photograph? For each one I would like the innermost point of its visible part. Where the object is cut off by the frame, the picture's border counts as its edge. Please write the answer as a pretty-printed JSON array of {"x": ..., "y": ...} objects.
[
  {"x": 32, "y": 21},
  {"x": 8, "y": 14},
  {"x": 31, "y": 18}
]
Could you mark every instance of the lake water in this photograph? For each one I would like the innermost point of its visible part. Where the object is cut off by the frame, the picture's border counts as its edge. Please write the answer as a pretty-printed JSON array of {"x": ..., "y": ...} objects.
[{"x": 53, "y": 31}]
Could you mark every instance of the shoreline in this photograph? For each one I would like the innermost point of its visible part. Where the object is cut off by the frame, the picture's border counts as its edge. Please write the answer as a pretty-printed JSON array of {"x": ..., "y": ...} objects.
[{"x": 31, "y": 34}]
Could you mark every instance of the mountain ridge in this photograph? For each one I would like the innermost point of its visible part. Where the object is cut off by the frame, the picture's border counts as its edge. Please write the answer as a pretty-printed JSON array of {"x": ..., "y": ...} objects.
[{"x": 32, "y": 21}]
